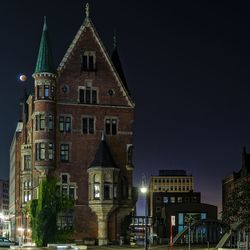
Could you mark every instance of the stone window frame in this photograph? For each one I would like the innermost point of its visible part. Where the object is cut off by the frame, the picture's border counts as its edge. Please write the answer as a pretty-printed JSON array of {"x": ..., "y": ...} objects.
[
  {"x": 67, "y": 185},
  {"x": 88, "y": 54},
  {"x": 64, "y": 122},
  {"x": 94, "y": 124},
  {"x": 91, "y": 95},
  {"x": 117, "y": 125},
  {"x": 69, "y": 152},
  {"x": 46, "y": 150}
]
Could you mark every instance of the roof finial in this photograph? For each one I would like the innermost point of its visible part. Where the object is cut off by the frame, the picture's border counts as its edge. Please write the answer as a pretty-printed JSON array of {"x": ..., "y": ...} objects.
[
  {"x": 114, "y": 40},
  {"x": 45, "y": 23},
  {"x": 87, "y": 10}
]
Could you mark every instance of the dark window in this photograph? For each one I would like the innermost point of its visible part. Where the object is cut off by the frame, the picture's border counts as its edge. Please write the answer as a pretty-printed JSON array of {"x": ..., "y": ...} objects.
[
  {"x": 84, "y": 64},
  {"x": 94, "y": 96},
  {"x": 91, "y": 63},
  {"x": 88, "y": 93},
  {"x": 72, "y": 192},
  {"x": 106, "y": 191},
  {"x": 50, "y": 122},
  {"x": 111, "y": 126},
  {"x": 64, "y": 152},
  {"x": 65, "y": 124},
  {"x": 81, "y": 95},
  {"x": 88, "y": 125},
  {"x": 64, "y": 178},
  {"x": 37, "y": 122},
  {"x": 52, "y": 92}
]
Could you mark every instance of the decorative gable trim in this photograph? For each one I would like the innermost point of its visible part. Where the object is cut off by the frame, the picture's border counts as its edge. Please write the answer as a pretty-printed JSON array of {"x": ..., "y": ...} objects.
[{"x": 88, "y": 23}]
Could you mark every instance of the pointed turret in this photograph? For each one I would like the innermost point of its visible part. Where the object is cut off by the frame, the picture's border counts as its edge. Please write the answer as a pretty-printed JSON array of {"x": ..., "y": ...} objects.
[
  {"x": 103, "y": 157},
  {"x": 45, "y": 59},
  {"x": 117, "y": 63}
]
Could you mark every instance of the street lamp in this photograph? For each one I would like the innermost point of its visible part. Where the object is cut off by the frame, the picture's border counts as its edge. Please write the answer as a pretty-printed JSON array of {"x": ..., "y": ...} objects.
[{"x": 144, "y": 190}]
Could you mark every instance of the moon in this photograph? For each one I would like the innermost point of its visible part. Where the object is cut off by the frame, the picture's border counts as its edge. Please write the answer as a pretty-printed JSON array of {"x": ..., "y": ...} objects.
[{"x": 22, "y": 78}]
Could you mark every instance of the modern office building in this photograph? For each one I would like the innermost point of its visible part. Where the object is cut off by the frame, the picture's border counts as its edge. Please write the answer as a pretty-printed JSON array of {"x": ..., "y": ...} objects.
[
  {"x": 171, "y": 194},
  {"x": 77, "y": 127}
]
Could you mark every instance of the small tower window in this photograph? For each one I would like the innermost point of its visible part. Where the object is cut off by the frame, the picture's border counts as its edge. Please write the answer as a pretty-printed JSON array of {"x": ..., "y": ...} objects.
[
  {"x": 46, "y": 91},
  {"x": 106, "y": 191},
  {"x": 42, "y": 121},
  {"x": 40, "y": 151},
  {"x": 40, "y": 92},
  {"x": 97, "y": 191}
]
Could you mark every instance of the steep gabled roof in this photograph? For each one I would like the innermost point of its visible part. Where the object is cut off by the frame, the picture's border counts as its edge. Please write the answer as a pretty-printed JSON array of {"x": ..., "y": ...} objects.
[
  {"x": 45, "y": 60},
  {"x": 103, "y": 157},
  {"x": 88, "y": 24}
]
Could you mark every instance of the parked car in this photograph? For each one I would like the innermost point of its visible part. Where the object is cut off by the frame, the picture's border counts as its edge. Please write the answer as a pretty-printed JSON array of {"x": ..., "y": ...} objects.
[{"x": 4, "y": 242}]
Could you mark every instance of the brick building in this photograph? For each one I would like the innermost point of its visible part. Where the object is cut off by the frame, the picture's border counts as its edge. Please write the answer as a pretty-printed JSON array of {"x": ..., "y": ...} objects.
[
  {"x": 78, "y": 127},
  {"x": 229, "y": 183}
]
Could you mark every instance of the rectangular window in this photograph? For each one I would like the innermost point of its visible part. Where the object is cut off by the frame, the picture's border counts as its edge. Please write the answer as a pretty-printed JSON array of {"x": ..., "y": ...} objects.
[
  {"x": 42, "y": 122},
  {"x": 39, "y": 91},
  {"x": 61, "y": 124},
  {"x": 111, "y": 126},
  {"x": 84, "y": 65},
  {"x": 64, "y": 178},
  {"x": 115, "y": 191},
  {"x": 81, "y": 95},
  {"x": 52, "y": 92},
  {"x": 106, "y": 191},
  {"x": 94, "y": 97},
  {"x": 88, "y": 125},
  {"x": 64, "y": 152},
  {"x": 37, "y": 122},
  {"x": 51, "y": 151},
  {"x": 67, "y": 124},
  {"x": 71, "y": 192},
  {"x": 50, "y": 122},
  {"x": 91, "y": 63},
  {"x": 42, "y": 151},
  {"x": 64, "y": 191},
  {"x": 88, "y": 93},
  {"x": 97, "y": 191},
  {"x": 46, "y": 91},
  {"x": 27, "y": 162}
]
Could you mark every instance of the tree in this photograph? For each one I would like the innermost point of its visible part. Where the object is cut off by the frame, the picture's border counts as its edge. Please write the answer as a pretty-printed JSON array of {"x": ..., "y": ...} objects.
[
  {"x": 236, "y": 212},
  {"x": 43, "y": 212}
]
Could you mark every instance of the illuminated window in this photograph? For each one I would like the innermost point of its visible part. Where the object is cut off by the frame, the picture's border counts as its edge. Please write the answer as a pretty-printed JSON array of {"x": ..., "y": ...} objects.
[
  {"x": 97, "y": 191},
  {"x": 46, "y": 91}
]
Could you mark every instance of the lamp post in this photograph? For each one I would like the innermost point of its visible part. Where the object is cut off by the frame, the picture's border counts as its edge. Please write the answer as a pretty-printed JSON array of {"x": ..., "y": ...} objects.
[{"x": 144, "y": 190}]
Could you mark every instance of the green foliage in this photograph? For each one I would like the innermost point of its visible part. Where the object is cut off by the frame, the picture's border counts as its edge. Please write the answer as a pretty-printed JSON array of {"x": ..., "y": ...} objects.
[
  {"x": 43, "y": 213},
  {"x": 237, "y": 207}
]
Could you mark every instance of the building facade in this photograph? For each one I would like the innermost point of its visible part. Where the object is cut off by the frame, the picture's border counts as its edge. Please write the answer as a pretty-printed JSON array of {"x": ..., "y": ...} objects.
[
  {"x": 77, "y": 127},
  {"x": 4, "y": 207},
  {"x": 171, "y": 193}
]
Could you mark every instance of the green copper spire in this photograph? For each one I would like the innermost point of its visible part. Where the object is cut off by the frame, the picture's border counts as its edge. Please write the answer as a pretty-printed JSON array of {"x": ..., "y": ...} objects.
[{"x": 45, "y": 60}]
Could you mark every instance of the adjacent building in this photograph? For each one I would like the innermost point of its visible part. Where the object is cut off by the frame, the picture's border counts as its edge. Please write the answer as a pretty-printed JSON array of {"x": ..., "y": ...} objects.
[
  {"x": 4, "y": 207},
  {"x": 230, "y": 182},
  {"x": 171, "y": 193},
  {"x": 77, "y": 127}
]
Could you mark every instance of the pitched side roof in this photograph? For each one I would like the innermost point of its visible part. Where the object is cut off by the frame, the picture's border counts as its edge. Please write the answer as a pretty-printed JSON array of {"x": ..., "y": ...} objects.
[
  {"x": 103, "y": 157},
  {"x": 117, "y": 63},
  {"x": 45, "y": 60},
  {"x": 88, "y": 24}
]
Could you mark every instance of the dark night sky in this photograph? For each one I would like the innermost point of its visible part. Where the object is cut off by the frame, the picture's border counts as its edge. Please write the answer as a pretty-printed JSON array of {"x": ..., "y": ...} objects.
[{"x": 187, "y": 64}]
